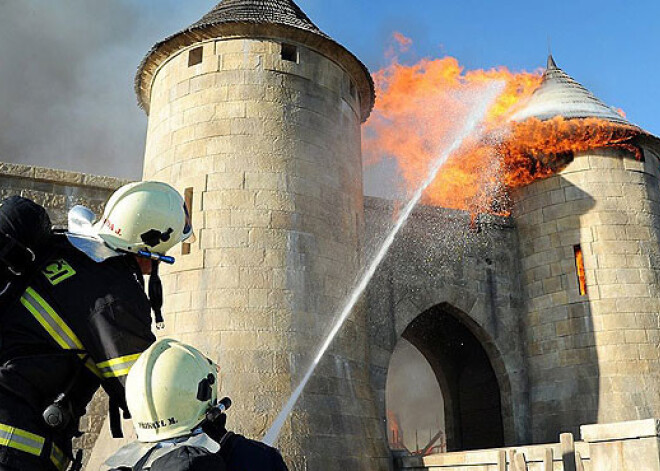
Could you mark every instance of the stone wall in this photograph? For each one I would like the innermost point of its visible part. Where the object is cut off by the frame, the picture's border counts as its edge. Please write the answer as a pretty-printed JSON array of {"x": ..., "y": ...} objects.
[
  {"x": 535, "y": 458},
  {"x": 271, "y": 151},
  {"x": 592, "y": 357},
  {"x": 622, "y": 446},
  {"x": 443, "y": 257},
  {"x": 58, "y": 191}
]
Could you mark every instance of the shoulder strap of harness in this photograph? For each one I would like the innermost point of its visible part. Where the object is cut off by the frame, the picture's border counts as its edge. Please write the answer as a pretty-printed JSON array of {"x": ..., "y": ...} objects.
[
  {"x": 12, "y": 288},
  {"x": 15, "y": 256},
  {"x": 115, "y": 419}
]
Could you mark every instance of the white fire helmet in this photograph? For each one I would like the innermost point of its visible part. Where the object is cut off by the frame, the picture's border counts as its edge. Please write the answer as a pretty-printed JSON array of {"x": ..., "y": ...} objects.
[
  {"x": 169, "y": 390},
  {"x": 149, "y": 216}
]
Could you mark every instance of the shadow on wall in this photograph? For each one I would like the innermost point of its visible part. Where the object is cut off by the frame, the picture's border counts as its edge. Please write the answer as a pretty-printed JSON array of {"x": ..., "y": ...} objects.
[{"x": 557, "y": 260}]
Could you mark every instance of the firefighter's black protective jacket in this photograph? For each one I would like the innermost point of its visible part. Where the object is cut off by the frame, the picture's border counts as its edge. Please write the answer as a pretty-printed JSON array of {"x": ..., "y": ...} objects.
[
  {"x": 77, "y": 319},
  {"x": 242, "y": 453},
  {"x": 236, "y": 453}
]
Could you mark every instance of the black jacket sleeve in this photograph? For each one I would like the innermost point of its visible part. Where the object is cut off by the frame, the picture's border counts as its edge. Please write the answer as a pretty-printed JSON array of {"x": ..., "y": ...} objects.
[
  {"x": 242, "y": 453},
  {"x": 120, "y": 332}
]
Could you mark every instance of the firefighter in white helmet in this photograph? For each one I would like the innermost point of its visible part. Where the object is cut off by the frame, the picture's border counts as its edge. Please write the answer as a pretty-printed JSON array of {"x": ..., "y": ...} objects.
[
  {"x": 74, "y": 314},
  {"x": 172, "y": 394}
]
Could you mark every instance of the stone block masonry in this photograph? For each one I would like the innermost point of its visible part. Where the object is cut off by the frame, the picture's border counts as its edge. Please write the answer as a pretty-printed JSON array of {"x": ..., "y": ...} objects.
[
  {"x": 593, "y": 356},
  {"x": 57, "y": 190},
  {"x": 271, "y": 149},
  {"x": 622, "y": 446}
]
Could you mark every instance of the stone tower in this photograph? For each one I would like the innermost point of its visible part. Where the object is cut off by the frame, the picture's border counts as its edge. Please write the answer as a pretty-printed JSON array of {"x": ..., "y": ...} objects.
[
  {"x": 255, "y": 114},
  {"x": 593, "y": 353}
]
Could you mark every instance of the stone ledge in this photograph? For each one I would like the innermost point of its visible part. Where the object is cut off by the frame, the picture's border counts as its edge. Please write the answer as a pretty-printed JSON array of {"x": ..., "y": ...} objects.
[
  {"x": 620, "y": 430},
  {"x": 62, "y": 177}
]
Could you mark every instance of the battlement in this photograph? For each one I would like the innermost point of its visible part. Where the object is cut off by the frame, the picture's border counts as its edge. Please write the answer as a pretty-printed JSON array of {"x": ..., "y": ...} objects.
[{"x": 57, "y": 190}]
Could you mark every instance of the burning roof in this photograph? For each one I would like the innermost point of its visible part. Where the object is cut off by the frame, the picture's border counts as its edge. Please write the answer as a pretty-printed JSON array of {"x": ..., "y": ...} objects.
[
  {"x": 533, "y": 130},
  {"x": 560, "y": 95}
]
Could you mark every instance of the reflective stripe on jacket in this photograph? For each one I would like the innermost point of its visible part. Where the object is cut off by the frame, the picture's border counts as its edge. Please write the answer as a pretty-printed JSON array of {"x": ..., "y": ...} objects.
[
  {"x": 33, "y": 444},
  {"x": 74, "y": 309}
]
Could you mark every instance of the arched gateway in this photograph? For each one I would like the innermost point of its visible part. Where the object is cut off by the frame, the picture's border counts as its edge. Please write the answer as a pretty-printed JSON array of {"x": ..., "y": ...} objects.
[
  {"x": 472, "y": 390},
  {"x": 448, "y": 288}
]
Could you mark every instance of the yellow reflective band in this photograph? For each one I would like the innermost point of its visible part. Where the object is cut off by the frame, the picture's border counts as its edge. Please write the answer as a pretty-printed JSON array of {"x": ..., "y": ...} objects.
[
  {"x": 22, "y": 440},
  {"x": 119, "y": 360},
  {"x": 54, "y": 325},
  {"x": 50, "y": 320},
  {"x": 116, "y": 373},
  {"x": 58, "y": 458},
  {"x": 117, "y": 367}
]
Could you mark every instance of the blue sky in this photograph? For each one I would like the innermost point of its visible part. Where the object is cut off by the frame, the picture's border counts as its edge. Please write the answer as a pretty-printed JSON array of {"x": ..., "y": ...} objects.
[
  {"x": 67, "y": 66},
  {"x": 612, "y": 47}
]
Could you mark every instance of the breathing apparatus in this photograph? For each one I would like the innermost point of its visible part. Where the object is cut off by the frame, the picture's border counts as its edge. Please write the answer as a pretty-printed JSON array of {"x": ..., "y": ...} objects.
[{"x": 59, "y": 414}]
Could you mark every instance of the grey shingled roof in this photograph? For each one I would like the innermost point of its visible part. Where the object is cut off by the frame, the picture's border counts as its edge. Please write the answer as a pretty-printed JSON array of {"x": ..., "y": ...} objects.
[
  {"x": 234, "y": 17},
  {"x": 560, "y": 95},
  {"x": 283, "y": 12}
]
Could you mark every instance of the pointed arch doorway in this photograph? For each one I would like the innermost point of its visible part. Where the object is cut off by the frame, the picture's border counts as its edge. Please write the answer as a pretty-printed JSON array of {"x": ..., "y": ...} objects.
[{"x": 466, "y": 393}]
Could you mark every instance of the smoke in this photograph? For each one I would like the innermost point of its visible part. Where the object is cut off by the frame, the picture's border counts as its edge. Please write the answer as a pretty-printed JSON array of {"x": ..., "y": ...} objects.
[
  {"x": 413, "y": 394},
  {"x": 66, "y": 80}
]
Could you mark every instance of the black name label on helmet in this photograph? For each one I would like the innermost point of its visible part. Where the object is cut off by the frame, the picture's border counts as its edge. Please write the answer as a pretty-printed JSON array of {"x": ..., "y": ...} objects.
[
  {"x": 58, "y": 271},
  {"x": 157, "y": 424}
]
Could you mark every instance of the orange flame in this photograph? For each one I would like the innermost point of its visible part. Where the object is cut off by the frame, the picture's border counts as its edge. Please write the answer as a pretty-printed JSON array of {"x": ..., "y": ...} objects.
[
  {"x": 579, "y": 267},
  {"x": 420, "y": 106},
  {"x": 536, "y": 149},
  {"x": 395, "y": 436}
]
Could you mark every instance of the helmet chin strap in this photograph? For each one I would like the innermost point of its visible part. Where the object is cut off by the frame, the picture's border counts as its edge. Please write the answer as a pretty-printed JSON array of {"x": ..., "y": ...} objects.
[{"x": 156, "y": 294}]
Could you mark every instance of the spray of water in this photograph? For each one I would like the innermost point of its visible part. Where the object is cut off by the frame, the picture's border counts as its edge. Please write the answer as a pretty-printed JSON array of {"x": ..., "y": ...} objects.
[{"x": 470, "y": 128}]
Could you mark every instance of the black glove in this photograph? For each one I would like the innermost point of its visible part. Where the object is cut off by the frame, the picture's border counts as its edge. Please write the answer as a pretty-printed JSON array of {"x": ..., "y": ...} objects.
[{"x": 214, "y": 426}]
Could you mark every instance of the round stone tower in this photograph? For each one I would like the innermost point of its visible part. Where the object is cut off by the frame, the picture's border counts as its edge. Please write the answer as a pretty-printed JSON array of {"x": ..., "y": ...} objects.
[
  {"x": 590, "y": 243},
  {"x": 255, "y": 114}
]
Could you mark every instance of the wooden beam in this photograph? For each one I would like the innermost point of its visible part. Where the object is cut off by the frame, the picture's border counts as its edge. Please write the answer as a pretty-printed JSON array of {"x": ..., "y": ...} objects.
[{"x": 567, "y": 451}]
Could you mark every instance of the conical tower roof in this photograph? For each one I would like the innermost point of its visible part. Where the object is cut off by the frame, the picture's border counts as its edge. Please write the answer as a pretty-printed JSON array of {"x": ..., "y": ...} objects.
[
  {"x": 277, "y": 19},
  {"x": 283, "y": 12},
  {"x": 560, "y": 95}
]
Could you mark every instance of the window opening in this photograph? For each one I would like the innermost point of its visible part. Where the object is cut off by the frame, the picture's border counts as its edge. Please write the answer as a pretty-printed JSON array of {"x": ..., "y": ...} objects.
[
  {"x": 188, "y": 198},
  {"x": 290, "y": 53},
  {"x": 579, "y": 268},
  {"x": 195, "y": 56}
]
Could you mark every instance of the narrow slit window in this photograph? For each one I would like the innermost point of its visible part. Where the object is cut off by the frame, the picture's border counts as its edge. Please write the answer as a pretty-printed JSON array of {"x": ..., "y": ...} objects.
[
  {"x": 188, "y": 197},
  {"x": 195, "y": 56},
  {"x": 353, "y": 89},
  {"x": 290, "y": 53},
  {"x": 579, "y": 269}
]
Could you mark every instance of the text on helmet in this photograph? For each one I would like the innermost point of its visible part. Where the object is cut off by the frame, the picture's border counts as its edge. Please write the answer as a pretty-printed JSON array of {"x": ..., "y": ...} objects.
[
  {"x": 110, "y": 225},
  {"x": 157, "y": 424}
]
